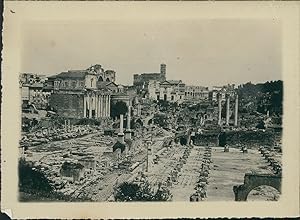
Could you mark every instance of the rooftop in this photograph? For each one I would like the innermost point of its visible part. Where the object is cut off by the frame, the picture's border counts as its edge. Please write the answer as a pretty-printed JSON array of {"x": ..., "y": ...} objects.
[{"x": 71, "y": 74}]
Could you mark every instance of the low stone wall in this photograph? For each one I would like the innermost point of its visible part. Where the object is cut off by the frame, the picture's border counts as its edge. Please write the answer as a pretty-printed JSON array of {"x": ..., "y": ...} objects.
[
  {"x": 252, "y": 138},
  {"x": 206, "y": 139}
]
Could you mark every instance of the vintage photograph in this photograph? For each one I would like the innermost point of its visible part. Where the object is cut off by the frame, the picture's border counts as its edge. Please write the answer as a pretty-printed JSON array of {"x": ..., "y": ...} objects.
[{"x": 139, "y": 110}]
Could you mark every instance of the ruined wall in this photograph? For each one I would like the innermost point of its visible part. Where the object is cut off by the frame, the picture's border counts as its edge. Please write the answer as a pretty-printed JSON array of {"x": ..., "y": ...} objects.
[
  {"x": 250, "y": 138},
  {"x": 67, "y": 105},
  {"x": 254, "y": 138},
  {"x": 205, "y": 139}
]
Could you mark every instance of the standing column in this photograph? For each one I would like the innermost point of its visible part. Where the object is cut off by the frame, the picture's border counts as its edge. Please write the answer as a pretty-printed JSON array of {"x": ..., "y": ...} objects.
[
  {"x": 121, "y": 134},
  {"x": 84, "y": 106},
  {"x": 128, "y": 131},
  {"x": 91, "y": 106},
  {"x": 109, "y": 105},
  {"x": 104, "y": 106},
  {"x": 101, "y": 112},
  {"x": 96, "y": 105},
  {"x": 149, "y": 156},
  {"x": 87, "y": 104},
  {"x": 66, "y": 129},
  {"x": 236, "y": 110},
  {"x": 69, "y": 125},
  {"x": 99, "y": 109},
  {"x": 227, "y": 110},
  {"x": 220, "y": 109}
]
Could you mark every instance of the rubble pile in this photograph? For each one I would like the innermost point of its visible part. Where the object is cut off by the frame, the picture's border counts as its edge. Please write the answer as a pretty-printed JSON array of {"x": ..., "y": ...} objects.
[
  {"x": 201, "y": 187},
  {"x": 271, "y": 156},
  {"x": 46, "y": 136}
]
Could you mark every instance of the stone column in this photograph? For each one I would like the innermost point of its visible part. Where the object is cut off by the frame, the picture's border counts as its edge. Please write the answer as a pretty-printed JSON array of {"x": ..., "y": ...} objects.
[
  {"x": 91, "y": 106},
  {"x": 149, "y": 156},
  {"x": 96, "y": 105},
  {"x": 121, "y": 134},
  {"x": 236, "y": 110},
  {"x": 128, "y": 130},
  {"x": 227, "y": 109},
  {"x": 84, "y": 106},
  {"x": 101, "y": 104},
  {"x": 109, "y": 105},
  {"x": 66, "y": 128},
  {"x": 104, "y": 98},
  {"x": 220, "y": 109},
  {"x": 69, "y": 125},
  {"x": 87, "y": 104},
  {"x": 104, "y": 106}
]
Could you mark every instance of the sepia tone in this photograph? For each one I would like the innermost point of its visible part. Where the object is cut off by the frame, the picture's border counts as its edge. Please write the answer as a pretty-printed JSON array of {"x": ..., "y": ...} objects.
[
  {"x": 176, "y": 116},
  {"x": 91, "y": 138}
]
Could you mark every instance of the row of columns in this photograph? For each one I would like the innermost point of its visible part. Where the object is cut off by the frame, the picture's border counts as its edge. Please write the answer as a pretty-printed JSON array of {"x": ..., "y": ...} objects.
[
  {"x": 96, "y": 105},
  {"x": 227, "y": 110}
]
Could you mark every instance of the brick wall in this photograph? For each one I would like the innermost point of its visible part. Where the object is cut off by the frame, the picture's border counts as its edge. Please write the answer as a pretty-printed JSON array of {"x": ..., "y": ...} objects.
[{"x": 67, "y": 105}]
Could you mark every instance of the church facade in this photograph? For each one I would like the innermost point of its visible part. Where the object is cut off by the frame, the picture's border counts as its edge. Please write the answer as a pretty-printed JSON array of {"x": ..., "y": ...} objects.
[{"x": 82, "y": 93}]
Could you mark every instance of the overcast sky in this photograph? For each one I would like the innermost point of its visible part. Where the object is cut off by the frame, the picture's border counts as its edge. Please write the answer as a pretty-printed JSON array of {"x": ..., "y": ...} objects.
[{"x": 200, "y": 52}]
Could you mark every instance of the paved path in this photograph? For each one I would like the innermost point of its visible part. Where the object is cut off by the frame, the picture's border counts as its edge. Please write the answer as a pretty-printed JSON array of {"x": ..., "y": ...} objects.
[{"x": 229, "y": 168}]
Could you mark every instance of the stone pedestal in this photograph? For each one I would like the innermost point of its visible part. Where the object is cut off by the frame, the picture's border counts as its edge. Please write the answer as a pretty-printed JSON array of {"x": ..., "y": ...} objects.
[{"x": 128, "y": 134}]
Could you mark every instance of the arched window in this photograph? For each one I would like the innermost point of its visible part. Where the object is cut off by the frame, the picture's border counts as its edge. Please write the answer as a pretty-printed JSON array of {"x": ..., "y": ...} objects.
[
  {"x": 100, "y": 78},
  {"x": 107, "y": 80}
]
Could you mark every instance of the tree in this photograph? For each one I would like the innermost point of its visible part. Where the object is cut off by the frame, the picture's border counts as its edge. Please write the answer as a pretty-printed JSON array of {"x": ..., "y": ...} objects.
[
  {"x": 140, "y": 192},
  {"x": 119, "y": 108},
  {"x": 31, "y": 179},
  {"x": 160, "y": 119}
]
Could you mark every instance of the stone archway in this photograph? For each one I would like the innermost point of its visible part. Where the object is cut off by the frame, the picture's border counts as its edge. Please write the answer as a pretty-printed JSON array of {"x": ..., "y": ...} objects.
[{"x": 251, "y": 181}]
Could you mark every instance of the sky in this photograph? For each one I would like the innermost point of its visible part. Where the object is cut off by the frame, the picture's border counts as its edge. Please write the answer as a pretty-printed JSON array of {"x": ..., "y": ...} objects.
[{"x": 199, "y": 52}]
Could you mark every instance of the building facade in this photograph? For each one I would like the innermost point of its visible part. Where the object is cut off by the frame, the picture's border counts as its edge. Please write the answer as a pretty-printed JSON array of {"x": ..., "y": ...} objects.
[
  {"x": 33, "y": 91},
  {"x": 141, "y": 81},
  {"x": 196, "y": 93},
  {"x": 82, "y": 93},
  {"x": 222, "y": 90},
  {"x": 168, "y": 90}
]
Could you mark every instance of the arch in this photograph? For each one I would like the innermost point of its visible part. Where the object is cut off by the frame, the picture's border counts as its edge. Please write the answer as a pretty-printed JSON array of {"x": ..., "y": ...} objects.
[
  {"x": 263, "y": 193},
  {"x": 107, "y": 80},
  {"x": 100, "y": 79},
  {"x": 138, "y": 121},
  {"x": 251, "y": 181}
]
